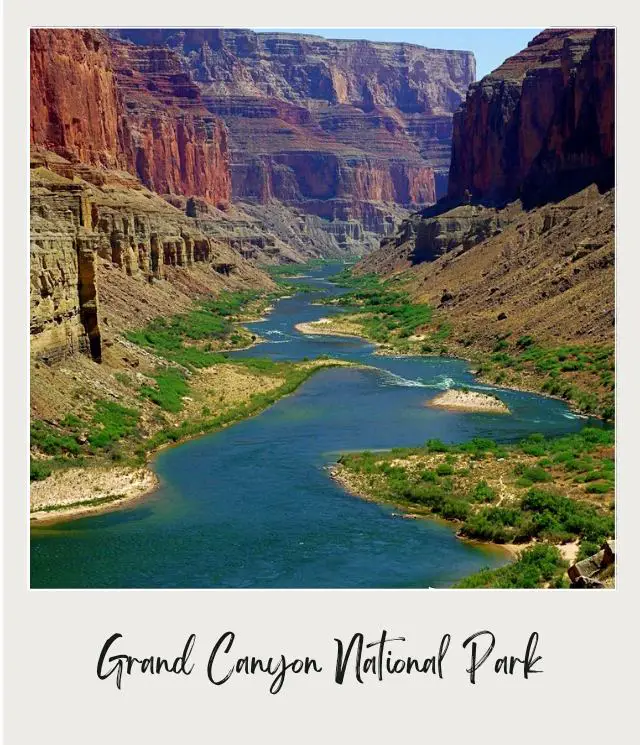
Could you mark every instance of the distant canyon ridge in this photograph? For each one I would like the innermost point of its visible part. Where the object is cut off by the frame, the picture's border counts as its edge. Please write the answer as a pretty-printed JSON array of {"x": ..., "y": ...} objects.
[{"x": 350, "y": 134}]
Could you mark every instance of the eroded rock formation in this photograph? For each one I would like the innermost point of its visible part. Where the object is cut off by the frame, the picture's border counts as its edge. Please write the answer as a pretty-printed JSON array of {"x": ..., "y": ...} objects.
[
  {"x": 84, "y": 233},
  {"x": 541, "y": 126},
  {"x": 345, "y": 130},
  {"x": 98, "y": 102}
]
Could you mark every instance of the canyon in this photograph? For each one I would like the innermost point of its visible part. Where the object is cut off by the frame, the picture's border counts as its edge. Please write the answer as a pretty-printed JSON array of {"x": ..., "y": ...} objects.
[
  {"x": 170, "y": 169},
  {"x": 349, "y": 131},
  {"x": 193, "y": 157},
  {"x": 524, "y": 242}
]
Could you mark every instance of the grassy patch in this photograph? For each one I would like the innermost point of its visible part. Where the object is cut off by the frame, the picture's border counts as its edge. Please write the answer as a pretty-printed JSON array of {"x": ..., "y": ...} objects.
[
  {"x": 583, "y": 375},
  {"x": 171, "y": 386},
  {"x": 112, "y": 422},
  {"x": 389, "y": 316},
  {"x": 194, "y": 339},
  {"x": 52, "y": 440}
]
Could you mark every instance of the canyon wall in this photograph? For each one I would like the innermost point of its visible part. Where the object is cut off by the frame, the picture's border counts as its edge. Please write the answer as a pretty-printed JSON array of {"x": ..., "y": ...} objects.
[
  {"x": 103, "y": 248},
  {"x": 177, "y": 146},
  {"x": 107, "y": 119},
  {"x": 541, "y": 126},
  {"x": 98, "y": 102},
  {"x": 75, "y": 108},
  {"x": 345, "y": 130}
]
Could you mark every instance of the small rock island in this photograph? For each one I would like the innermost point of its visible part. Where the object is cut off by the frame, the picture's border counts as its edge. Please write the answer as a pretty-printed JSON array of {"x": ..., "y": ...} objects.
[{"x": 465, "y": 400}]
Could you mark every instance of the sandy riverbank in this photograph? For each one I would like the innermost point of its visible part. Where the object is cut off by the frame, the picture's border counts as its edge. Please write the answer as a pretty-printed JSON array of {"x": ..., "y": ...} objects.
[
  {"x": 330, "y": 327},
  {"x": 78, "y": 491},
  {"x": 473, "y": 401}
]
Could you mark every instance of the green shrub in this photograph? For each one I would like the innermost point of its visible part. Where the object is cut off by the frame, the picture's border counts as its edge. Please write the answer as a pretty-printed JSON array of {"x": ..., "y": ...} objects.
[
  {"x": 455, "y": 509},
  {"x": 536, "y": 474},
  {"x": 587, "y": 548},
  {"x": 535, "y": 567},
  {"x": 444, "y": 469},
  {"x": 600, "y": 487},
  {"x": 482, "y": 492},
  {"x": 494, "y": 524},
  {"x": 39, "y": 470},
  {"x": 436, "y": 446},
  {"x": 428, "y": 475}
]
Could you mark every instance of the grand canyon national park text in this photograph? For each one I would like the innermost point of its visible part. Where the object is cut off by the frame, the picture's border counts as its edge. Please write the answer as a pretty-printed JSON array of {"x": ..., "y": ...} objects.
[{"x": 357, "y": 658}]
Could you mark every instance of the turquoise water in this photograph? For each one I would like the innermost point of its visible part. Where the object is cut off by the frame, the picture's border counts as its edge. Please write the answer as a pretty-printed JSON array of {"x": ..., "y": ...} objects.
[{"x": 253, "y": 505}]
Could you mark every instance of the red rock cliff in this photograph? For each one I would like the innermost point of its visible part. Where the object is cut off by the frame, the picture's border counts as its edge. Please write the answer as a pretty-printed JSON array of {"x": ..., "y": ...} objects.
[
  {"x": 178, "y": 147},
  {"x": 105, "y": 103},
  {"x": 541, "y": 125},
  {"x": 75, "y": 108}
]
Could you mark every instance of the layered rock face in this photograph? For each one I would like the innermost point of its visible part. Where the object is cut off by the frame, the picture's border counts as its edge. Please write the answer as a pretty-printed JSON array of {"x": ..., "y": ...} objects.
[
  {"x": 100, "y": 248},
  {"x": 98, "y": 102},
  {"x": 541, "y": 126},
  {"x": 338, "y": 129},
  {"x": 177, "y": 146}
]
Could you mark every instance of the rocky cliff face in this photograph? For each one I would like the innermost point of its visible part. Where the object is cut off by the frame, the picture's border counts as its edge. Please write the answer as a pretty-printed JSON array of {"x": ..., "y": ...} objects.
[
  {"x": 177, "y": 146},
  {"x": 75, "y": 108},
  {"x": 91, "y": 234},
  {"x": 541, "y": 125},
  {"x": 337, "y": 129},
  {"x": 98, "y": 102}
]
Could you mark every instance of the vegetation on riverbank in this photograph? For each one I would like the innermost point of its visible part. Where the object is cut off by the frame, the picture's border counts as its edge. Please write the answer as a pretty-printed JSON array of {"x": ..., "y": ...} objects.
[
  {"x": 539, "y": 566},
  {"x": 541, "y": 491},
  {"x": 180, "y": 383},
  {"x": 583, "y": 375}
]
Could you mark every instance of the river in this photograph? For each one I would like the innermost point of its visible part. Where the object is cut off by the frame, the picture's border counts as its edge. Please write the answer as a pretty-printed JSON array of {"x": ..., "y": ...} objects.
[{"x": 253, "y": 506}]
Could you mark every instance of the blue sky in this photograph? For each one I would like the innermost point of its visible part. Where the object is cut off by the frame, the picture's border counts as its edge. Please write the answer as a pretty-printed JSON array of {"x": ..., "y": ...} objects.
[{"x": 490, "y": 46}]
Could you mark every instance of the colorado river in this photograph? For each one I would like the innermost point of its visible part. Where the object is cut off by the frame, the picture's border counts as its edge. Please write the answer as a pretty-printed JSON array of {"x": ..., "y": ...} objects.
[{"x": 253, "y": 505}]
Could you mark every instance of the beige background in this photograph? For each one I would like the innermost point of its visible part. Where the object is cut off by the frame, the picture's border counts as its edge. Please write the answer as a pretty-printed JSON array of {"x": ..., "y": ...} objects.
[{"x": 53, "y": 638}]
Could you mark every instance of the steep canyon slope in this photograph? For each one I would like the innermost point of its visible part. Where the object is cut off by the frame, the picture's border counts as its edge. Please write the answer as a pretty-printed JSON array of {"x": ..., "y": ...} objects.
[
  {"x": 541, "y": 126},
  {"x": 519, "y": 258},
  {"x": 347, "y": 131}
]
